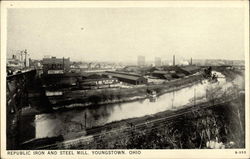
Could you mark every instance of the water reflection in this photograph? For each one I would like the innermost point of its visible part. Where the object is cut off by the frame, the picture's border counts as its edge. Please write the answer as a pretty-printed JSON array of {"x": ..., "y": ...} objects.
[{"x": 73, "y": 121}]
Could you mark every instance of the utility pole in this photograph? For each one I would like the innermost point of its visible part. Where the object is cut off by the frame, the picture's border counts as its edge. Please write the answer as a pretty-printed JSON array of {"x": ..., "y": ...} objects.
[
  {"x": 85, "y": 119},
  {"x": 173, "y": 99},
  {"x": 194, "y": 95}
]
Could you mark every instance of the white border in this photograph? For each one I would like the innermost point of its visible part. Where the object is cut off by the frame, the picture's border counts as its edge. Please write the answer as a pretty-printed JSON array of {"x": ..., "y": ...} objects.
[{"x": 227, "y": 153}]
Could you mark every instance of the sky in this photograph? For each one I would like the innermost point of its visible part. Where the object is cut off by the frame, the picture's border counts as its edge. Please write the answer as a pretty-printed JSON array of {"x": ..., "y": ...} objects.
[{"x": 122, "y": 34}]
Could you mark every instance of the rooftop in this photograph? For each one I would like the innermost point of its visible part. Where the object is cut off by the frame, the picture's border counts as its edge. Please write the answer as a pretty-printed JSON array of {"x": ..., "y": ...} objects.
[
  {"x": 125, "y": 76},
  {"x": 161, "y": 72}
]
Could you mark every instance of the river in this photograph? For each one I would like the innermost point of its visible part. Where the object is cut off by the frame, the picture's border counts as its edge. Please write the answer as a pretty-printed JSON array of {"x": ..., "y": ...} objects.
[{"x": 73, "y": 121}]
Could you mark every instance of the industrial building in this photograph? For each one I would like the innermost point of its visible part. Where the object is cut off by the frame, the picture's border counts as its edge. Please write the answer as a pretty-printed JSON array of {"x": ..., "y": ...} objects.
[
  {"x": 175, "y": 72},
  {"x": 162, "y": 74},
  {"x": 98, "y": 83},
  {"x": 190, "y": 69},
  {"x": 18, "y": 60},
  {"x": 128, "y": 77},
  {"x": 56, "y": 73},
  {"x": 55, "y": 65}
]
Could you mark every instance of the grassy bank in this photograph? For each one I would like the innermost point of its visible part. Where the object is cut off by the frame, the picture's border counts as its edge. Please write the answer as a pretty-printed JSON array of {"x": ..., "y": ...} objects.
[
  {"x": 193, "y": 130},
  {"x": 219, "y": 123}
]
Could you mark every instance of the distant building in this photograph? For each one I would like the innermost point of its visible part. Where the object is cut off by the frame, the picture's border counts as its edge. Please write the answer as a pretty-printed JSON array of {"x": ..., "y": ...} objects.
[
  {"x": 141, "y": 60},
  {"x": 168, "y": 75},
  {"x": 14, "y": 62},
  {"x": 157, "y": 61},
  {"x": 131, "y": 69},
  {"x": 173, "y": 60},
  {"x": 175, "y": 72},
  {"x": 128, "y": 77},
  {"x": 35, "y": 63},
  {"x": 18, "y": 59},
  {"x": 162, "y": 74},
  {"x": 187, "y": 70},
  {"x": 55, "y": 65},
  {"x": 98, "y": 83}
]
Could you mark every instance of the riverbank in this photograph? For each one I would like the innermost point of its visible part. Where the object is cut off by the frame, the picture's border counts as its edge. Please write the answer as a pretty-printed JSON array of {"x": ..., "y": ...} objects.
[
  {"x": 120, "y": 95},
  {"x": 111, "y": 134}
]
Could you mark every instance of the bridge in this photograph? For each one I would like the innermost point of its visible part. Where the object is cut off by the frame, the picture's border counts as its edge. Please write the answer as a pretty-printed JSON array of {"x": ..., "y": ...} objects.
[{"x": 16, "y": 99}]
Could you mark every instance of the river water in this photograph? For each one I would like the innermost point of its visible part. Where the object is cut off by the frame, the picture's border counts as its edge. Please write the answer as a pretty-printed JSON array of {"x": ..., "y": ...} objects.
[{"x": 74, "y": 121}]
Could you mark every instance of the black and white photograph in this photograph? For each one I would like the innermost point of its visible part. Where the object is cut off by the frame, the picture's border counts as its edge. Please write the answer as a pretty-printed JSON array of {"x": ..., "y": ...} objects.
[{"x": 125, "y": 77}]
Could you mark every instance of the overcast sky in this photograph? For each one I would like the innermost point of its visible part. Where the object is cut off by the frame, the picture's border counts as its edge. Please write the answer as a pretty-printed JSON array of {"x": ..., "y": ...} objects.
[{"x": 118, "y": 34}]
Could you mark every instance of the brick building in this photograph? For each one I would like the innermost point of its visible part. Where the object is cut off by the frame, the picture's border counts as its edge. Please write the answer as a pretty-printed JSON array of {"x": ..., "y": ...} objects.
[{"x": 55, "y": 65}]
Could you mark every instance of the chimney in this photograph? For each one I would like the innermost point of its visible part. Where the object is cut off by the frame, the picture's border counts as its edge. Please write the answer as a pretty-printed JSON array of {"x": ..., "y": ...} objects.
[
  {"x": 63, "y": 63},
  {"x": 174, "y": 60},
  {"x": 191, "y": 61}
]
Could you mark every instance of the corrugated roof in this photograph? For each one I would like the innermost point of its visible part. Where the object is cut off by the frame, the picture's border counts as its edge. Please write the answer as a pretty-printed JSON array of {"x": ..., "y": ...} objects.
[
  {"x": 130, "y": 77},
  {"x": 171, "y": 68},
  {"x": 161, "y": 72},
  {"x": 99, "y": 79},
  {"x": 124, "y": 73}
]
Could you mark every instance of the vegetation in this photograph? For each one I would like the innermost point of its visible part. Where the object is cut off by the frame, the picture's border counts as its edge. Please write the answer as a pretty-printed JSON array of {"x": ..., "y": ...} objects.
[{"x": 219, "y": 124}]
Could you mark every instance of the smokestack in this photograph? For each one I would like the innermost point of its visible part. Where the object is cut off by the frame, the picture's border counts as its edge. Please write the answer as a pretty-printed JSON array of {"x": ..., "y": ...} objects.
[
  {"x": 191, "y": 61},
  {"x": 174, "y": 60},
  {"x": 25, "y": 58},
  {"x": 63, "y": 63}
]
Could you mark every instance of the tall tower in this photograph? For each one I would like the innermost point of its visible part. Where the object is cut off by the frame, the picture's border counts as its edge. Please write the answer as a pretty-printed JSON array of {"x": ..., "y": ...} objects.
[
  {"x": 141, "y": 60},
  {"x": 174, "y": 60},
  {"x": 26, "y": 59},
  {"x": 191, "y": 62}
]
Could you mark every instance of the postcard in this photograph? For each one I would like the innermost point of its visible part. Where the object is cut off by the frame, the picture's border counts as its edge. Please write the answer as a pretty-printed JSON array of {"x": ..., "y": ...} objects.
[{"x": 124, "y": 79}]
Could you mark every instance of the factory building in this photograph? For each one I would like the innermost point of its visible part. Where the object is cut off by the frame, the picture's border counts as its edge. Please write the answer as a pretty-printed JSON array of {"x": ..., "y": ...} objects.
[
  {"x": 98, "y": 83},
  {"x": 162, "y": 74},
  {"x": 56, "y": 73},
  {"x": 55, "y": 65},
  {"x": 128, "y": 77},
  {"x": 169, "y": 73},
  {"x": 191, "y": 69}
]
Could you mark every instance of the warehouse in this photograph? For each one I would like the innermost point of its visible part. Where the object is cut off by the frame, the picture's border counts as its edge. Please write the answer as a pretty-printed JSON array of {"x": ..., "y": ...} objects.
[
  {"x": 168, "y": 75},
  {"x": 98, "y": 83},
  {"x": 187, "y": 70},
  {"x": 128, "y": 77},
  {"x": 161, "y": 74}
]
